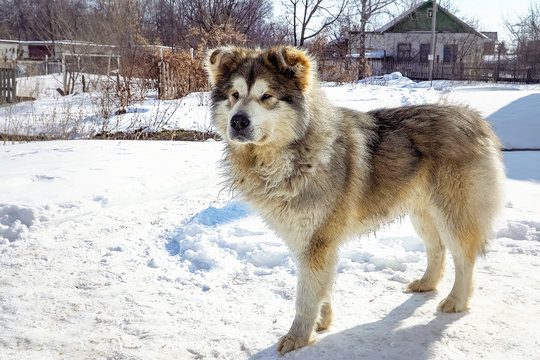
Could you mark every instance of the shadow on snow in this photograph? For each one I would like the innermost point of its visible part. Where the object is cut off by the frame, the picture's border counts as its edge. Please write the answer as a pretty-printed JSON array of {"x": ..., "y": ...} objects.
[
  {"x": 517, "y": 124},
  {"x": 383, "y": 339}
]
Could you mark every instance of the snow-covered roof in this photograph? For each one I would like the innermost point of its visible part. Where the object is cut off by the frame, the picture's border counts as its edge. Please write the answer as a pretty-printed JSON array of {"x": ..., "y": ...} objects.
[
  {"x": 73, "y": 43},
  {"x": 494, "y": 58},
  {"x": 372, "y": 54}
]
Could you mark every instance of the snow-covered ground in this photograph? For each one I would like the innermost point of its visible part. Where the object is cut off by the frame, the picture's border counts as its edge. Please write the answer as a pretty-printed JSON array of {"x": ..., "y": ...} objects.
[
  {"x": 132, "y": 250},
  {"x": 81, "y": 115},
  {"x": 514, "y": 110}
]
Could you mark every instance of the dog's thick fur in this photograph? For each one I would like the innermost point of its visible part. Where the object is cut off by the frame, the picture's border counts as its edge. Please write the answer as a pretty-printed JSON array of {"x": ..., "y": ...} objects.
[{"x": 319, "y": 174}]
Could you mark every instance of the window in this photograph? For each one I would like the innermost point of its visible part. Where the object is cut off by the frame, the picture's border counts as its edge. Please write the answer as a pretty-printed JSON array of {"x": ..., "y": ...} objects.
[
  {"x": 450, "y": 53},
  {"x": 403, "y": 52},
  {"x": 430, "y": 13},
  {"x": 489, "y": 48},
  {"x": 424, "y": 52}
]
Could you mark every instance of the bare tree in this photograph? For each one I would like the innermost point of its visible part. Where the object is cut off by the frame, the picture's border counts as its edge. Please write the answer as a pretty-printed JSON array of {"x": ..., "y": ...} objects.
[
  {"x": 120, "y": 21},
  {"x": 525, "y": 32},
  {"x": 163, "y": 23},
  {"x": 309, "y": 18},
  {"x": 405, "y": 5},
  {"x": 242, "y": 15},
  {"x": 41, "y": 19},
  {"x": 367, "y": 10},
  {"x": 526, "y": 37}
]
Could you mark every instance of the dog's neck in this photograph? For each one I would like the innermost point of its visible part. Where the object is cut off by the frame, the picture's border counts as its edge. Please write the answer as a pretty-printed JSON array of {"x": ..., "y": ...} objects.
[
  {"x": 269, "y": 163},
  {"x": 277, "y": 171}
]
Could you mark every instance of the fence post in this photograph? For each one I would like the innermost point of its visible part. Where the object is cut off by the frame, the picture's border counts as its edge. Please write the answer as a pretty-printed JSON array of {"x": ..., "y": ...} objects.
[
  {"x": 8, "y": 85},
  {"x": 160, "y": 79},
  {"x": 2, "y": 86},
  {"x": 64, "y": 72},
  {"x": 14, "y": 86}
]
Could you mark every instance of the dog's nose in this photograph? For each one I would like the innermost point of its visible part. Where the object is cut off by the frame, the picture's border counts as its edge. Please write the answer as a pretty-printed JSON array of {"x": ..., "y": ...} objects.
[{"x": 239, "y": 121}]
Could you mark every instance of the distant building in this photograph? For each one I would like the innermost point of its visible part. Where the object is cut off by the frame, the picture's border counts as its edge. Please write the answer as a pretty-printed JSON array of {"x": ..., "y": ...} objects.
[
  {"x": 407, "y": 40},
  {"x": 43, "y": 57},
  {"x": 9, "y": 51}
]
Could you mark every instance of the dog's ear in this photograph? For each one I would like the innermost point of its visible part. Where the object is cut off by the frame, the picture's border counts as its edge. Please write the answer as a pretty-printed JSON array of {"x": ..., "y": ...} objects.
[
  {"x": 222, "y": 61},
  {"x": 293, "y": 62}
]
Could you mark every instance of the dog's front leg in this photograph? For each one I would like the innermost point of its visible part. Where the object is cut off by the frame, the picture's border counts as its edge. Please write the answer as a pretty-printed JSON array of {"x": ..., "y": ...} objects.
[{"x": 315, "y": 277}]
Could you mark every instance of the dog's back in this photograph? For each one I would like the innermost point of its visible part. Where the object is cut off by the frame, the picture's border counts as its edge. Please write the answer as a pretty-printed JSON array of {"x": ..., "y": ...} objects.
[
  {"x": 443, "y": 165},
  {"x": 452, "y": 155}
]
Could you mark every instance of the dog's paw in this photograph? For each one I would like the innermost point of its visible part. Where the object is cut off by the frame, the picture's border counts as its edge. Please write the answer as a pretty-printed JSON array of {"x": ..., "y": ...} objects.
[
  {"x": 291, "y": 342},
  {"x": 421, "y": 285},
  {"x": 323, "y": 324},
  {"x": 326, "y": 317},
  {"x": 453, "y": 305}
]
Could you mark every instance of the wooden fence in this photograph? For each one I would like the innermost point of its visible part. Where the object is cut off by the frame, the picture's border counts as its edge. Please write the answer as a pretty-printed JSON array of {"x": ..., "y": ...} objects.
[
  {"x": 168, "y": 82},
  {"x": 177, "y": 79},
  {"x": 507, "y": 72},
  {"x": 8, "y": 85}
]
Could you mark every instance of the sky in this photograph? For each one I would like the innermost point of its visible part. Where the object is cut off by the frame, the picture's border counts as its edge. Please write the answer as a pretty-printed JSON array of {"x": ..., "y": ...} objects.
[{"x": 491, "y": 14}]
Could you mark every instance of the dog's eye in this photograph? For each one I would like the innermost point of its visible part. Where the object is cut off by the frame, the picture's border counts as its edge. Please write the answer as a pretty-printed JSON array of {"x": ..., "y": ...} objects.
[
  {"x": 236, "y": 95},
  {"x": 265, "y": 97}
]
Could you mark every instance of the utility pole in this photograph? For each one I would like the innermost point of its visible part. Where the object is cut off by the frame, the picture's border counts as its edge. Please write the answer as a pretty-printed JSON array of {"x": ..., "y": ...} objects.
[{"x": 433, "y": 34}]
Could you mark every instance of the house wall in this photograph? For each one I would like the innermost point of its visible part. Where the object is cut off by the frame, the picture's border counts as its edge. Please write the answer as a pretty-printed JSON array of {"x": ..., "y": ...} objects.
[
  {"x": 38, "y": 49},
  {"x": 8, "y": 52},
  {"x": 469, "y": 46}
]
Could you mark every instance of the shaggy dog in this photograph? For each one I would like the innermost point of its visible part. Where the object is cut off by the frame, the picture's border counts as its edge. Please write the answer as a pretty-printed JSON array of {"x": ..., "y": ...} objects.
[{"x": 319, "y": 174}]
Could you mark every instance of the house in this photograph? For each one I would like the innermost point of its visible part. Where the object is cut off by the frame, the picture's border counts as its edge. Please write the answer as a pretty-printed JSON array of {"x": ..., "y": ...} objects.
[
  {"x": 8, "y": 51},
  {"x": 404, "y": 44},
  {"x": 43, "y": 57}
]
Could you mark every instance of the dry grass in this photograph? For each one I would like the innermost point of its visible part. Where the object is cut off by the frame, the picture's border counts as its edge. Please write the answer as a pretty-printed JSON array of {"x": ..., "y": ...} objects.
[{"x": 174, "y": 135}]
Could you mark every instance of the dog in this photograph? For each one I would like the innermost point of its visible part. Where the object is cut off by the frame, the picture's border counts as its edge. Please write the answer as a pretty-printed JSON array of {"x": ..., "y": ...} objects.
[{"x": 319, "y": 174}]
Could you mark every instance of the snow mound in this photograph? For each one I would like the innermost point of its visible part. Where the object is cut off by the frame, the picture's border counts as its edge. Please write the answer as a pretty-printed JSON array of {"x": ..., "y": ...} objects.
[
  {"x": 233, "y": 239},
  {"x": 395, "y": 79},
  {"x": 375, "y": 254},
  {"x": 214, "y": 216},
  {"x": 520, "y": 230},
  {"x": 15, "y": 222},
  {"x": 229, "y": 240},
  {"x": 393, "y": 76},
  {"x": 217, "y": 244}
]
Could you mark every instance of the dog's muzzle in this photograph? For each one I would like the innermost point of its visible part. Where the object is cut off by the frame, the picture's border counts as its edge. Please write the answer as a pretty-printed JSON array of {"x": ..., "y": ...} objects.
[{"x": 240, "y": 127}]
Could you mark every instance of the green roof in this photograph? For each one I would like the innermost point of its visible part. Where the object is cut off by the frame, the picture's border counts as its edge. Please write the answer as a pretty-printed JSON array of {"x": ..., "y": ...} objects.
[{"x": 417, "y": 19}]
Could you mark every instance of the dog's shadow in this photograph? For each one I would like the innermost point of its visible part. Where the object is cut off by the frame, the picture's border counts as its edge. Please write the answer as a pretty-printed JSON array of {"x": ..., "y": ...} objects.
[{"x": 382, "y": 339}]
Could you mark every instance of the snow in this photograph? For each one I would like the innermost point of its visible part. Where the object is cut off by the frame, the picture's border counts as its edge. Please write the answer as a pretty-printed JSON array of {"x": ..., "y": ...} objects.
[
  {"x": 513, "y": 109},
  {"x": 82, "y": 115},
  {"x": 133, "y": 250}
]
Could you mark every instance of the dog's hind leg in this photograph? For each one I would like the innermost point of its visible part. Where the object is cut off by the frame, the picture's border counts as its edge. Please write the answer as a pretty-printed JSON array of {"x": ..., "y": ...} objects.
[
  {"x": 425, "y": 226},
  {"x": 465, "y": 206},
  {"x": 458, "y": 298},
  {"x": 463, "y": 237}
]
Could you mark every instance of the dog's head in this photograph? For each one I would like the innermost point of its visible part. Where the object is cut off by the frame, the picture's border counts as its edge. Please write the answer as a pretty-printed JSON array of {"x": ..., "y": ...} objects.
[{"x": 259, "y": 96}]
